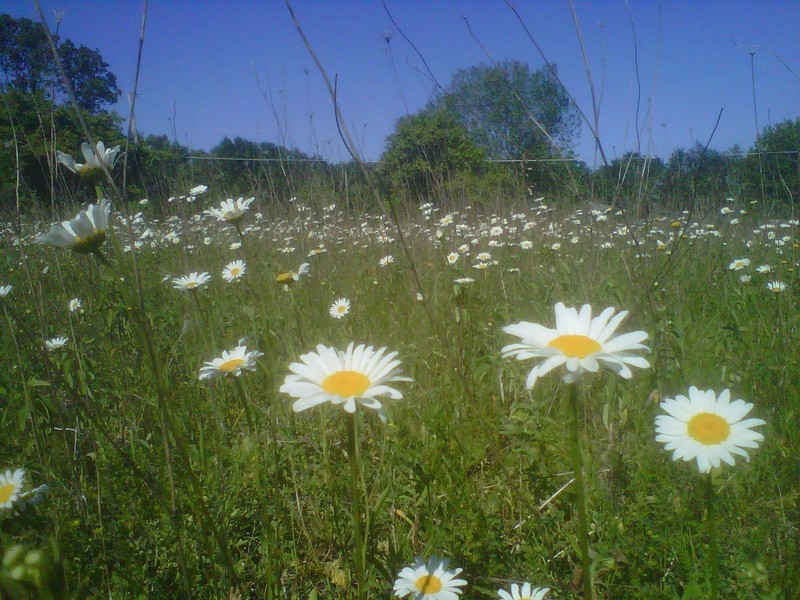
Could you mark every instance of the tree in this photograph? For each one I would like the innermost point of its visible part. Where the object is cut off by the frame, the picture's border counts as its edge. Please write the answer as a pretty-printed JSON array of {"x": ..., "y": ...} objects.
[
  {"x": 771, "y": 170},
  {"x": 503, "y": 106},
  {"x": 28, "y": 67},
  {"x": 425, "y": 150}
]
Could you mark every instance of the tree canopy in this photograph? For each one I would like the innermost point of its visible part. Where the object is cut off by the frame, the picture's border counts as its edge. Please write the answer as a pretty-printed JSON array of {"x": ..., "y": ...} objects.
[
  {"x": 507, "y": 108},
  {"x": 28, "y": 66}
]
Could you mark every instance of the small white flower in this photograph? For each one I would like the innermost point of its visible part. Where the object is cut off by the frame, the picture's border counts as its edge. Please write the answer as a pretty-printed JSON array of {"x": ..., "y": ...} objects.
[
  {"x": 11, "y": 487},
  {"x": 75, "y": 305},
  {"x": 386, "y": 260},
  {"x": 56, "y": 343},
  {"x": 739, "y": 264},
  {"x": 776, "y": 286},
  {"x": 232, "y": 362},
  {"x": 234, "y": 271},
  {"x": 192, "y": 281},
  {"x": 339, "y": 308}
]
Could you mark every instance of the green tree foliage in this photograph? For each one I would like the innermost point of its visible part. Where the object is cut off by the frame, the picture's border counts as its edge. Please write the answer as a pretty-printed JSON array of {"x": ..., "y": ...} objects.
[
  {"x": 28, "y": 66},
  {"x": 630, "y": 180},
  {"x": 427, "y": 149},
  {"x": 503, "y": 107},
  {"x": 698, "y": 174},
  {"x": 771, "y": 171}
]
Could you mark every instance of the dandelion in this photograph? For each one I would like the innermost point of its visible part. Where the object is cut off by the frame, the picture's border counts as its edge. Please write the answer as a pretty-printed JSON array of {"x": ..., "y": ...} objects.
[
  {"x": 234, "y": 271},
  {"x": 579, "y": 342},
  {"x": 292, "y": 276},
  {"x": 230, "y": 210},
  {"x": 776, "y": 286},
  {"x": 523, "y": 592},
  {"x": 92, "y": 168},
  {"x": 707, "y": 427},
  {"x": 339, "y": 308},
  {"x": 386, "y": 260},
  {"x": 5, "y": 290},
  {"x": 56, "y": 343},
  {"x": 231, "y": 362},
  {"x": 358, "y": 375},
  {"x": 10, "y": 487},
  {"x": 739, "y": 264},
  {"x": 75, "y": 305},
  {"x": 83, "y": 234},
  {"x": 192, "y": 281},
  {"x": 429, "y": 580}
]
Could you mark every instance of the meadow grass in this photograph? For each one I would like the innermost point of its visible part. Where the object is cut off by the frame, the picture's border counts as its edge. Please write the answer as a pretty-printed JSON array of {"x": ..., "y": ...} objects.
[{"x": 471, "y": 465}]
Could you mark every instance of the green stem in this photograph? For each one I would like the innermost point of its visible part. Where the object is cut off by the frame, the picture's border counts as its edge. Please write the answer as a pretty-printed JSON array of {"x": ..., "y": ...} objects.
[
  {"x": 251, "y": 424},
  {"x": 356, "y": 502},
  {"x": 577, "y": 466},
  {"x": 713, "y": 546}
]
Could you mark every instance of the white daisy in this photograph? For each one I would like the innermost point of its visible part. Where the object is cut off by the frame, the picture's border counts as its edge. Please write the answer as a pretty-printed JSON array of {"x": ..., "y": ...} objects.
[
  {"x": 739, "y": 264},
  {"x": 234, "y": 271},
  {"x": 10, "y": 487},
  {"x": 579, "y": 342},
  {"x": 292, "y": 276},
  {"x": 523, "y": 592},
  {"x": 764, "y": 269},
  {"x": 230, "y": 210},
  {"x": 92, "y": 167},
  {"x": 707, "y": 428},
  {"x": 429, "y": 580},
  {"x": 776, "y": 286},
  {"x": 83, "y": 234},
  {"x": 339, "y": 308},
  {"x": 56, "y": 343},
  {"x": 198, "y": 189},
  {"x": 452, "y": 258},
  {"x": 75, "y": 305},
  {"x": 192, "y": 281},
  {"x": 356, "y": 376},
  {"x": 386, "y": 260},
  {"x": 232, "y": 362}
]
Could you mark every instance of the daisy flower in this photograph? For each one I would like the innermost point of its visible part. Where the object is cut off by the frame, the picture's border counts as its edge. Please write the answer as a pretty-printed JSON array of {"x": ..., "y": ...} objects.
[
  {"x": 429, "y": 580},
  {"x": 355, "y": 376},
  {"x": 776, "y": 286},
  {"x": 198, "y": 189},
  {"x": 707, "y": 428},
  {"x": 386, "y": 260},
  {"x": 230, "y": 210},
  {"x": 231, "y": 362},
  {"x": 83, "y": 234},
  {"x": 10, "y": 487},
  {"x": 523, "y": 592},
  {"x": 339, "y": 308},
  {"x": 5, "y": 290},
  {"x": 92, "y": 167},
  {"x": 579, "y": 342},
  {"x": 452, "y": 258},
  {"x": 764, "y": 269},
  {"x": 293, "y": 276},
  {"x": 739, "y": 264},
  {"x": 75, "y": 305},
  {"x": 234, "y": 271},
  {"x": 192, "y": 281},
  {"x": 56, "y": 343}
]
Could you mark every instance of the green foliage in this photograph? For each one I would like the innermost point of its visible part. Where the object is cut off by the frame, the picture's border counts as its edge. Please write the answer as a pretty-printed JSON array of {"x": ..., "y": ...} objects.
[
  {"x": 427, "y": 149},
  {"x": 507, "y": 109},
  {"x": 773, "y": 177},
  {"x": 28, "y": 66}
]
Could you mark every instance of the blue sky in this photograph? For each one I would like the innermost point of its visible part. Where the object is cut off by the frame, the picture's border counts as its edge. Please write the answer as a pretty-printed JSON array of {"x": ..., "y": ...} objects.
[{"x": 238, "y": 67}]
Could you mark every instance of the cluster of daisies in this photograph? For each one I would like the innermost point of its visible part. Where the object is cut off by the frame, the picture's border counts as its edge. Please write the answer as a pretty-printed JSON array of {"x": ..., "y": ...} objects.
[{"x": 741, "y": 264}]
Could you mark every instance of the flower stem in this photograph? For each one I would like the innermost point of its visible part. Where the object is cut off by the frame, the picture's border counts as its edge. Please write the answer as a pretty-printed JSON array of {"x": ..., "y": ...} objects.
[
  {"x": 713, "y": 546},
  {"x": 577, "y": 466},
  {"x": 356, "y": 505}
]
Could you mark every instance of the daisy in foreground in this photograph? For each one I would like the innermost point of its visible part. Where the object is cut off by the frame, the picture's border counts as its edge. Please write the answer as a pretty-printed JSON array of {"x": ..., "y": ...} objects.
[
  {"x": 429, "y": 580},
  {"x": 707, "y": 428},
  {"x": 230, "y": 210},
  {"x": 357, "y": 375},
  {"x": 232, "y": 362},
  {"x": 523, "y": 592},
  {"x": 579, "y": 342},
  {"x": 10, "y": 487},
  {"x": 83, "y": 234}
]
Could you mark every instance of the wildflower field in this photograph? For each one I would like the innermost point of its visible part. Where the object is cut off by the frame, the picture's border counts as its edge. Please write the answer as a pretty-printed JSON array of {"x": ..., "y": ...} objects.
[{"x": 237, "y": 399}]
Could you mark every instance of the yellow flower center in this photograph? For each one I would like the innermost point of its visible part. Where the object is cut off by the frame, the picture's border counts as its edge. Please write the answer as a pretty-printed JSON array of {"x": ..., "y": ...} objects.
[
  {"x": 346, "y": 384},
  {"x": 428, "y": 584},
  {"x": 190, "y": 284},
  {"x": 709, "y": 429},
  {"x": 235, "y": 271},
  {"x": 231, "y": 365},
  {"x": 341, "y": 308},
  {"x": 6, "y": 491},
  {"x": 285, "y": 278},
  {"x": 578, "y": 346}
]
